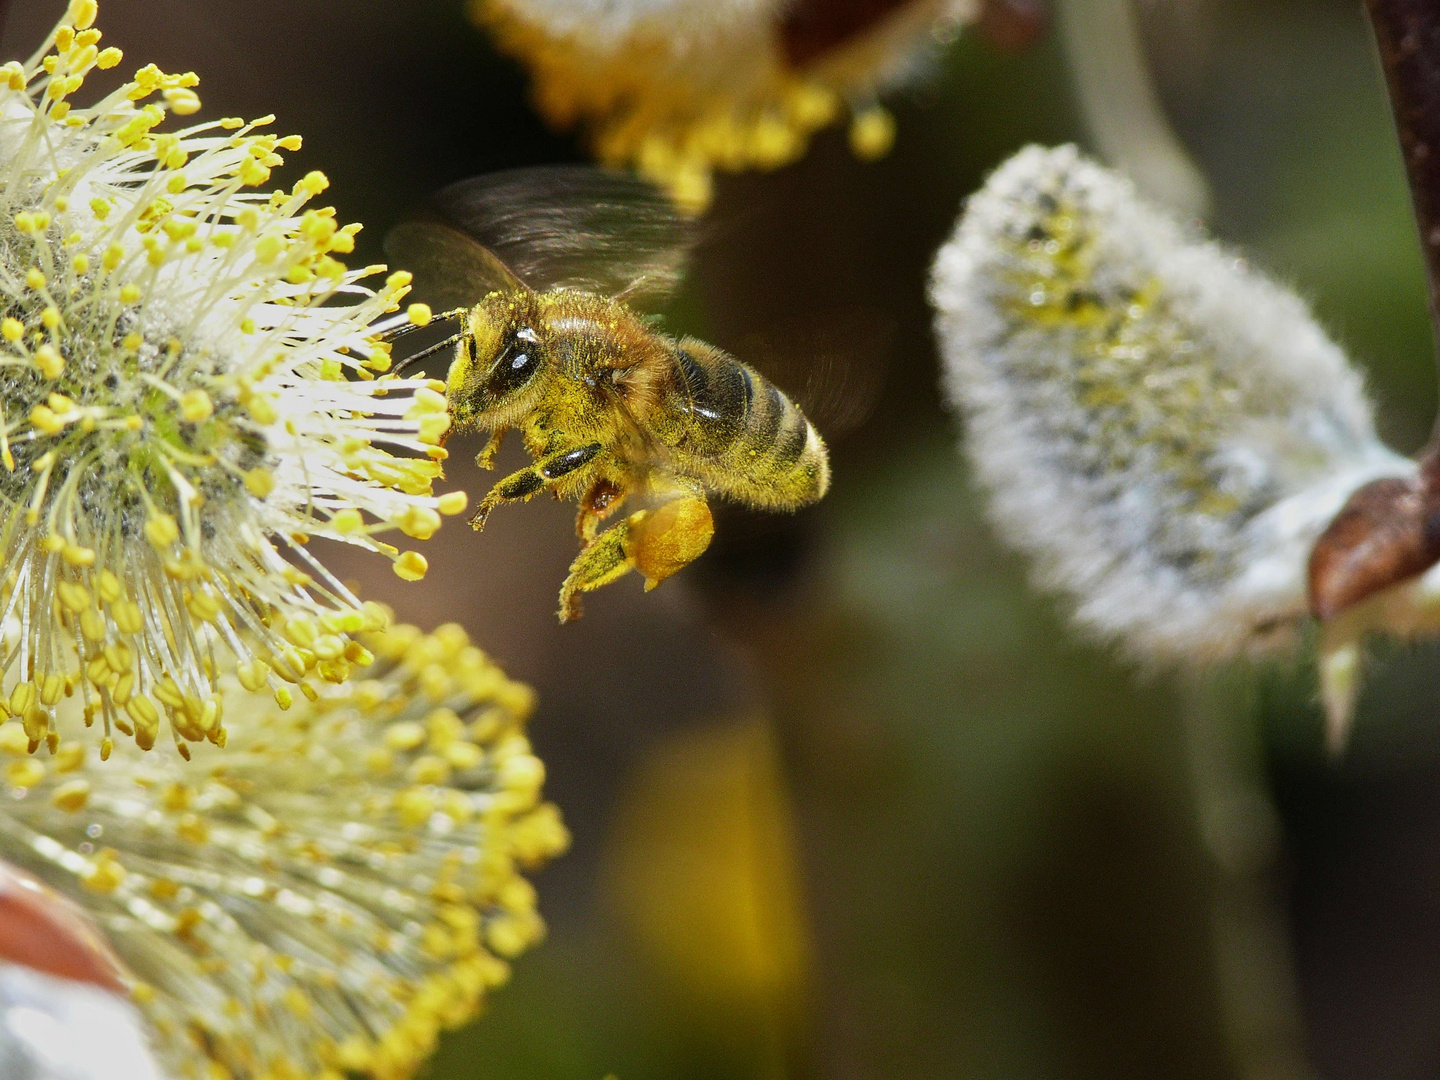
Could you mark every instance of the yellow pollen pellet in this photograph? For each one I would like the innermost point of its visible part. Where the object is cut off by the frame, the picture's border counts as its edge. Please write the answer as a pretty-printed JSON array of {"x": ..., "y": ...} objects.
[
  {"x": 162, "y": 530},
  {"x": 12, "y": 329},
  {"x": 196, "y": 406},
  {"x": 411, "y": 566},
  {"x": 72, "y": 795}
]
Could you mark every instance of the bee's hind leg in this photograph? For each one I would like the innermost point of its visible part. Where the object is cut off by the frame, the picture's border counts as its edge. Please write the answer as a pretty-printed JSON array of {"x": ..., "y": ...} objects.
[
  {"x": 601, "y": 500},
  {"x": 655, "y": 542},
  {"x": 519, "y": 486}
]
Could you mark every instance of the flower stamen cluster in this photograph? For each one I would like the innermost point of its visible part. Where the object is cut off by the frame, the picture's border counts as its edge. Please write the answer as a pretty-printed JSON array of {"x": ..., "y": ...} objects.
[{"x": 191, "y": 388}]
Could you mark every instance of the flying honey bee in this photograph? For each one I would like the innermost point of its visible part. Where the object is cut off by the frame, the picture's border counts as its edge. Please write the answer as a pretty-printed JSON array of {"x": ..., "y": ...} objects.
[{"x": 541, "y": 267}]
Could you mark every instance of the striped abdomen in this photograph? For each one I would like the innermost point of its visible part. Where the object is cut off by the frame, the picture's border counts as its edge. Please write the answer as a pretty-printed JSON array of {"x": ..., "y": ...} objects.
[{"x": 735, "y": 430}]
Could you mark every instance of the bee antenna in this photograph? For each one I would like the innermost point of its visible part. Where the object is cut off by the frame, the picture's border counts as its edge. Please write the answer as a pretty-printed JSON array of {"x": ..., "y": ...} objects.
[
  {"x": 401, "y": 325},
  {"x": 410, "y": 361}
]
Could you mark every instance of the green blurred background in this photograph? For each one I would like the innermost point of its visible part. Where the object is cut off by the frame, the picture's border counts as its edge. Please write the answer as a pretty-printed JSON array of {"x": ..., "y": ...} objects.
[{"x": 849, "y": 800}]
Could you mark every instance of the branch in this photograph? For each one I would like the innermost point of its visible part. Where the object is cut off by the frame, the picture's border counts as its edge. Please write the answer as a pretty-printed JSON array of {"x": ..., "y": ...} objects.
[{"x": 1389, "y": 530}]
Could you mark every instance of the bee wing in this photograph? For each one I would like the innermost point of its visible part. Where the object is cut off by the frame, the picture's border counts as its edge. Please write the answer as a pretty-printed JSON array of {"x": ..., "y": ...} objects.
[
  {"x": 452, "y": 270},
  {"x": 832, "y": 363},
  {"x": 576, "y": 226}
]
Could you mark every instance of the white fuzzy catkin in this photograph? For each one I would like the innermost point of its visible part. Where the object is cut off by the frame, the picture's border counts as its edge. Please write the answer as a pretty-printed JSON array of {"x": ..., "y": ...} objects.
[{"x": 1165, "y": 430}]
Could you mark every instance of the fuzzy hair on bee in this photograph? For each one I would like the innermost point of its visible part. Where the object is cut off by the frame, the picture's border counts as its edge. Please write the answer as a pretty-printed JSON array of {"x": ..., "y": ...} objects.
[
  {"x": 1161, "y": 427},
  {"x": 608, "y": 407}
]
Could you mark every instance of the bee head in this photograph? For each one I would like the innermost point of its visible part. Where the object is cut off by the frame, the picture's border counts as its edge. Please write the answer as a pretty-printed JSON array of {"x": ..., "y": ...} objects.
[{"x": 498, "y": 359}]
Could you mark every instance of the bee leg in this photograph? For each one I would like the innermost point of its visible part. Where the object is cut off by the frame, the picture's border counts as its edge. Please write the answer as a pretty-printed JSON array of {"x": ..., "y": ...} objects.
[
  {"x": 486, "y": 458},
  {"x": 519, "y": 486},
  {"x": 655, "y": 542},
  {"x": 602, "y": 500}
]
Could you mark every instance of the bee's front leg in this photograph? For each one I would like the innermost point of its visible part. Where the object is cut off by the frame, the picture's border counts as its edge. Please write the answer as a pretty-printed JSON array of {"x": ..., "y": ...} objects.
[
  {"x": 655, "y": 542},
  {"x": 519, "y": 486},
  {"x": 486, "y": 458}
]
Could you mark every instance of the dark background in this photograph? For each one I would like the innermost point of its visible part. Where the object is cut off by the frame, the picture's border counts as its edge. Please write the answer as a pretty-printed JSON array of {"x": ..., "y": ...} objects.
[{"x": 848, "y": 800}]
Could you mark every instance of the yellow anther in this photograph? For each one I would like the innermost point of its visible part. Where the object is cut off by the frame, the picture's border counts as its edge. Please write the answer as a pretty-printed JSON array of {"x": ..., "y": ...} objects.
[
  {"x": 34, "y": 279},
  {"x": 51, "y": 687},
  {"x": 262, "y": 409},
  {"x": 452, "y": 503},
  {"x": 82, "y": 13},
  {"x": 196, "y": 406},
  {"x": 313, "y": 183},
  {"x": 104, "y": 874},
  {"x": 302, "y": 631},
  {"x": 72, "y": 795},
  {"x": 50, "y": 317},
  {"x": 12, "y": 329},
  {"x": 872, "y": 133},
  {"x": 411, "y": 566},
  {"x": 132, "y": 342},
  {"x": 162, "y": 530},
  {"x": 80, "y": 264},
  {"x": 347, "y": 521},
  {"x": 419, "y": 522},
  {"x": 108, "y": 58},
  {"x": 259, "y": 482},
  {"x": 14, "y": 75},
  {"x": 203, "y": 606},
  {"x": 129, "y": 293},
  {"x": 47, "y": 358},
  {"x": 419, "y": 314},
  {"x": 92, "y": 625},
  {"x": 182, "y": 102},
  {"x": 76, "y": 555},
  {"x": 45, "y": 421},
  {"x": 69, "y": 757},
  {"x": 25, "y": 774},
  {"x": 108, "y": 586},
  {"x": 399, "y": 280}
]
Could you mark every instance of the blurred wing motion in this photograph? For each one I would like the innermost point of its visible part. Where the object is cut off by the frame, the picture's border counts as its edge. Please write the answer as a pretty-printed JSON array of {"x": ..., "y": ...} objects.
[
  {"x": 451, "y": 269},
  {"x": 575, "y": 227},
  {"x": 832, "y": 362}
]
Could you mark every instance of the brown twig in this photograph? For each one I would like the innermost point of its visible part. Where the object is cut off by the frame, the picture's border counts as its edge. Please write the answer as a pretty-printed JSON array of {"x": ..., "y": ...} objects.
[{"x": 1389, "y": 530}]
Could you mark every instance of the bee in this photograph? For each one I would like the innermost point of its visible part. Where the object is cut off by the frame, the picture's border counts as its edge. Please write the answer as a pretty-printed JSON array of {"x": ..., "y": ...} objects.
[{"x": 543, "y": 267}]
